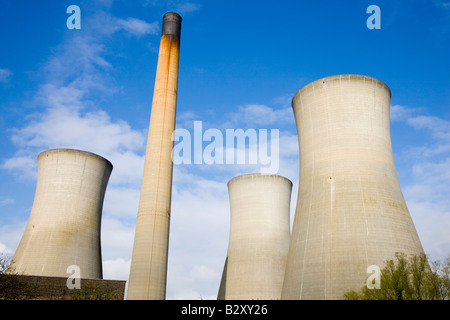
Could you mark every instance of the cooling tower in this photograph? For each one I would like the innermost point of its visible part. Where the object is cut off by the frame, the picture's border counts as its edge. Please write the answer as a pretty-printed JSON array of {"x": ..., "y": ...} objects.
[
  {"x": 148, "y": 271},
  {"x": 259, "y": 237},
  {"x": 350, "y": 210},
  {"x": 64, "y": 224}
]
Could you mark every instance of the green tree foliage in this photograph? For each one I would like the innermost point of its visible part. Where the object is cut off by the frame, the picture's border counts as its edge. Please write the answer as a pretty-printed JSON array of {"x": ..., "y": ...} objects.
[
  {"x": 90, "y": 292},
  {"x": 409, "y": 278}
]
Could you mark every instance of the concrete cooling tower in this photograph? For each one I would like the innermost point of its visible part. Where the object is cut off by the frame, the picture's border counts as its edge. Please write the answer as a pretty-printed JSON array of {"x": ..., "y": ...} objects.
[
  {"x": 64, "y": 224},
  {"x": 259, "y": 237},
  {"x": 148, "y": 272},
  {"x": 350, "y": 212}
]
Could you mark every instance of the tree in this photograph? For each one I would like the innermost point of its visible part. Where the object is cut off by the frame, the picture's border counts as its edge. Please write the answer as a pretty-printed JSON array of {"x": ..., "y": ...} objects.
[
  {"x": 413, "y": 278},
  {"x": 91, "y": 292},
  {"x": 440, "y": 274}
]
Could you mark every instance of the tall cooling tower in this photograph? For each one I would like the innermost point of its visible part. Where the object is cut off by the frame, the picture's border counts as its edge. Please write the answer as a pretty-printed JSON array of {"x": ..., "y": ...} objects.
[
  {"x": 148, "y": 273},
  {"x": 64, "y": 224},
  {"x": 350, "y": 212},
  {"x": 259, "y": 237}
]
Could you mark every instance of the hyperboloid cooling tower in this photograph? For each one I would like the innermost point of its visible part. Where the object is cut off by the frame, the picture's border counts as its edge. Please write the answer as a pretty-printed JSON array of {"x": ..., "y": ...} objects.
[
  {"x": 148, "y": 273},
  {"x": 259, "y": 237},
  {"x": 64, "y": 224},
  {"x": 350, "y": 212}
]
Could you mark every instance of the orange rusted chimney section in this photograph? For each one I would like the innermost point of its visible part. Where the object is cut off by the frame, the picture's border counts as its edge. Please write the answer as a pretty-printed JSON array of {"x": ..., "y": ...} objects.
[{"x": 148, "y": 273}]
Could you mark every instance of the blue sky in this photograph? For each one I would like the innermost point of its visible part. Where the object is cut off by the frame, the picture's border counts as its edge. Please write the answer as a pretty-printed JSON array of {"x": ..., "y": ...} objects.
[{"x": 241, "y": 63}]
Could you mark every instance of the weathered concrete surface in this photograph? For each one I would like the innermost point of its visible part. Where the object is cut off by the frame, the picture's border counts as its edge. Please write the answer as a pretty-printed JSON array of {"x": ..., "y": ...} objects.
[
  {"x": 148, "y": 273},
  {"x": 259, "y": 237},
  {"x": 350, "y": 209},
  {"x": 64, "y": 224}
]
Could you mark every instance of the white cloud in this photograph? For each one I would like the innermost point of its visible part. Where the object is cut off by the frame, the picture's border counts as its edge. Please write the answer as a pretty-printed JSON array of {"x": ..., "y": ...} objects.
[
  {"x": 64, "y": 127},
  {"x": 5, "y": 75},
  {"x": 198, "y": 235},
  {"x": 24, "y": 166},
  {"x": 86, "y": 52},
  {"x": 187, "y": 8},
  {"x": 71, "y": 118},
  {"x": 257, "y": 115},
  {"x": 193, "y": 282},
  {"x": 67, "y": 115},
  {"x": 117, "y": 237},
  {"x": 122, "y": 202},
  {"x": 117, "y": 269},
  {"x": 4, "y": 250},
  {"x": 138, "y": 27},
  {"x": 439, "y": 128},
  {"x": 6, "y": 201},
  {"x": 399, "y": 113},
  {"x": 10, "y": 235},
  {"x": 427, "y": 192},
  {"x": 432, "y": 221}
]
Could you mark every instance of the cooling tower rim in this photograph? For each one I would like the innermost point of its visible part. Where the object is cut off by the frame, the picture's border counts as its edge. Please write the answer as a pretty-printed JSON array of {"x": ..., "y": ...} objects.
[
  {"x": 253, "y": 175},
  {"x": 339, "y": 77},
  {"x": 75, "y": 151}
]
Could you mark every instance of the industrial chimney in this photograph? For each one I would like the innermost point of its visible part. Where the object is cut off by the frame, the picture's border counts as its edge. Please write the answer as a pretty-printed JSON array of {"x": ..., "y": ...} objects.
[
  {"x": 259, "y": 237},
  {"x": 148, "y": 273},
  {"x": 350, "y": 212},
  {"x": 64, "y": 224}
]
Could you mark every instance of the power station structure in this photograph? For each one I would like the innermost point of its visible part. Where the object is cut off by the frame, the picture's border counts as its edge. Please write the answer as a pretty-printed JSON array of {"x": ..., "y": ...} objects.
[
  {"x": 350, "y": 211},
  {"x": 64, "y": 224},
  {"x": 259, "y": 237},
  {"x": 148, "y": 272}
]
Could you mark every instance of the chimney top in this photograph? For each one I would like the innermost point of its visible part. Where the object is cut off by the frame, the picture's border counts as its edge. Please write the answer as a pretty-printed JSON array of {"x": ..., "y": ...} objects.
[{"x": 171, "y": 24}]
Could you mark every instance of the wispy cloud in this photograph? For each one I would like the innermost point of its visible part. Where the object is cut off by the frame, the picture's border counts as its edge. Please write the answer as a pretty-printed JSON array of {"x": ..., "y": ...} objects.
[
  {"x": 261, "y": 115},
  {"x": 23, "y": 166},
  {"x": 6, "y": 201},
  {"x": 68, "y": 113},
  {"x": 5, "y": 75},
  {"x": 138, "y": 27},
  {"x": 400, "y": 113},
  {"x": 427, "y": 192},
  {"x": 187, "y": 7},
  {"x": 68, "y": 96},
  {"x": 439, "y": 128},
  {"x": 10, "y": 234}
]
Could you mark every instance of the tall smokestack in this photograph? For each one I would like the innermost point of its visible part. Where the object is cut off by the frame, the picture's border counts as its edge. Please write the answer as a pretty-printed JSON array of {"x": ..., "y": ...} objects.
[
  {"x": 64, "y": 224},
  {"x": 148, "y": 273},
  {"x": 259, "y": 238},
  {"x": 350, "y": 212}
]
